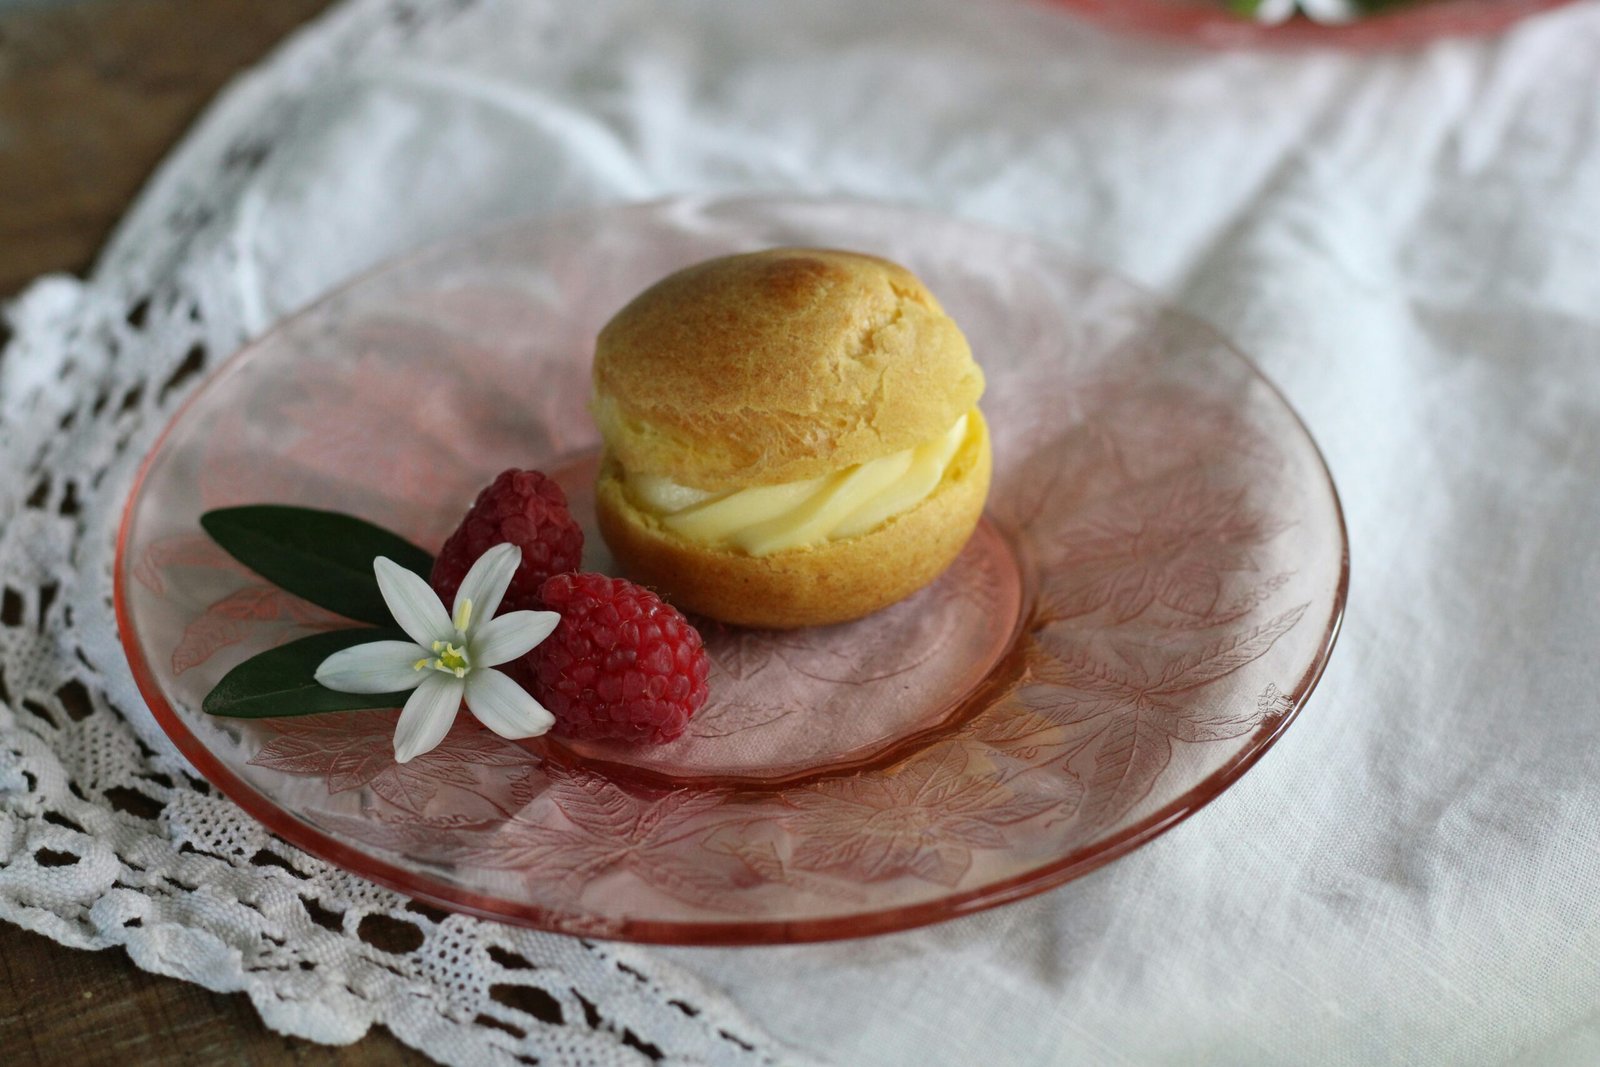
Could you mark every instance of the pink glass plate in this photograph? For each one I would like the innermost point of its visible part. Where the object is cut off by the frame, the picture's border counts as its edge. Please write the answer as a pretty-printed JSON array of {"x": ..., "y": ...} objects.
[
  {"x": 1208, "y": 22},
  {"x": 1148, "y": 603}
]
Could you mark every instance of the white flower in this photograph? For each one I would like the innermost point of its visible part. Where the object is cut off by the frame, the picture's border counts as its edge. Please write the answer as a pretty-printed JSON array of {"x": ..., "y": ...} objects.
[
  {"x": 452, "y": 657},
  {"x": 1331, "y": 11}
]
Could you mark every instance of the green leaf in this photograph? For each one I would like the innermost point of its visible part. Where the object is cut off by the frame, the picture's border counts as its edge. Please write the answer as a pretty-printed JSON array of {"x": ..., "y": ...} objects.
[
  {"x": 282, "y": 681},
  {"x": 323, "y": 556}
]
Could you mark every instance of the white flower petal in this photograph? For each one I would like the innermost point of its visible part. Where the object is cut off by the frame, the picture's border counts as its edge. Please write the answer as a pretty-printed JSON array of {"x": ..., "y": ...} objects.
[
  {"x": 486, "y": 582},
  {"x": 427, "y": 716},
  {"x": 375, "y": 667},
  {"x": 414, "y": 605},
  {"x": 516, "y": 633},
  {"x": 1273, "y": 12},
  {"x": 504, "y": 706},
  {"x": 1331, "y": 11}
]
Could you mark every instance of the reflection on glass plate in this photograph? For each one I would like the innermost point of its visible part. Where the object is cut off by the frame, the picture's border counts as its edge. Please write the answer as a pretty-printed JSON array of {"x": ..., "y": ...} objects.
[{"x": 1148, "y": 603}]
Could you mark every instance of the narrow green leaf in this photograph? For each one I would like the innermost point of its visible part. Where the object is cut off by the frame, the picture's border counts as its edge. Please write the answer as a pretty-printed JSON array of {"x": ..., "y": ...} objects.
[
  {"x": 282, "y": 681},
  {"x": 323, "y": 556}
]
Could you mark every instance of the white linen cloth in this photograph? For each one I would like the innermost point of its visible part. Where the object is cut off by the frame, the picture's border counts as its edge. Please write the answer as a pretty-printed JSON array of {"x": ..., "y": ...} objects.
[{"x": 1408, "y": 244}]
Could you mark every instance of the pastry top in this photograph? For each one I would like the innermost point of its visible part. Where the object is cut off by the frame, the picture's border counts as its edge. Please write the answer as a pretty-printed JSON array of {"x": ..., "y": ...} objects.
[{"x": 778, "y": 366}]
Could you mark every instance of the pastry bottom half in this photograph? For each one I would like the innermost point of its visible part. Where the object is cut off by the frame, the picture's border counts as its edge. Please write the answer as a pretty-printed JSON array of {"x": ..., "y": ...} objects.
[{"x": 834, "y": 581}]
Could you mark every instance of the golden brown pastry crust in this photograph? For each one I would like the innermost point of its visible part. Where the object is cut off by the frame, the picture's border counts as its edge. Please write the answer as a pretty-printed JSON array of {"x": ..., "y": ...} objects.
[
  {"x": 778, "y": 366},
  {"x": 831, "y": 582}
]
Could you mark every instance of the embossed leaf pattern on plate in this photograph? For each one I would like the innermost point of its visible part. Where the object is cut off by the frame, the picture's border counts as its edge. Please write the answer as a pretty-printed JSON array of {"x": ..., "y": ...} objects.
[
  {"x": 1135, "y": 699},
  {"x": 239, "y": 614},
  {"x": 1151, "y": 595},
  {"x": 584, "y": 827},
  {"x": 355, "y": 749},
  {"x": 181, "y": 551},
  {"x": 923, "y": 819},
  {"x": 1170, "y": 545}
]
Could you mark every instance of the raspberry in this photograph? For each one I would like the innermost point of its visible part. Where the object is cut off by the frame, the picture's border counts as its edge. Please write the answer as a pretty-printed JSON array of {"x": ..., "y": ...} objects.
[
  {"x": 527, "y": 509},
  {"x": 622, "y": 665}
]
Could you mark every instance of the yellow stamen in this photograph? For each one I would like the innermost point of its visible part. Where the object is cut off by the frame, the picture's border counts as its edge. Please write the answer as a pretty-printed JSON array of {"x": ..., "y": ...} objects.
[
  {"x": 463, "y": 616},
  {"x": 421, "y": 663},
  {"x": 453, "y": 660}
]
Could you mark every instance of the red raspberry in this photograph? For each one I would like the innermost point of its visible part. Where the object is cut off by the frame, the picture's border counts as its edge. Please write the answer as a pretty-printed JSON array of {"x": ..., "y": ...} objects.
[
  {"x": 528, "y": 510},
  {"x": 623, "y": 664}
]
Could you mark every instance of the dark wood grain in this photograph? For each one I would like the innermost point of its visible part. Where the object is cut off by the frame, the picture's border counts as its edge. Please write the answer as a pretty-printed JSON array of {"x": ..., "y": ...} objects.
[
  {"x": 92, "y": 95},
  {"x": 58, "y": 1006}
]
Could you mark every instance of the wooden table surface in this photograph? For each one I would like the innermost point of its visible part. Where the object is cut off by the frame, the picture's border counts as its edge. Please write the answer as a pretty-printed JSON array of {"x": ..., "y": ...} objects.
[{"x": 92, "y": 94}]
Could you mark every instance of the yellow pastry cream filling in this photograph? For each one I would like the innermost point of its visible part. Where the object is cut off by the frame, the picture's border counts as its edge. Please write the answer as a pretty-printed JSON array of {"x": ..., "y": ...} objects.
[{"x": 765, "y": 519}]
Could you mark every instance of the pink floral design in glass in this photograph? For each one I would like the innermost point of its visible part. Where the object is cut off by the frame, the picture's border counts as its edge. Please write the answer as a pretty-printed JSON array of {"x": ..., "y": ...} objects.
[{"x": 1147, "y": 605}]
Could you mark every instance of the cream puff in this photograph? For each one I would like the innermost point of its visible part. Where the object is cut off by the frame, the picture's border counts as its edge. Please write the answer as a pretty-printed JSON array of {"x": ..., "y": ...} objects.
[{"x": 792, "y": 437}]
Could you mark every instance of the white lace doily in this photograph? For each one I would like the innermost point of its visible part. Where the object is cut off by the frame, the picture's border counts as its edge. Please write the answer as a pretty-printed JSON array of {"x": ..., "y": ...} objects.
[
  {"x": 1403, "y": 240},
  {"x": 108, "y": 838}
]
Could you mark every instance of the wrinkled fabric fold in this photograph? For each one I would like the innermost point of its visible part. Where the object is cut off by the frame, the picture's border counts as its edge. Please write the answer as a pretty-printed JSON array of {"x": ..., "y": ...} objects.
[{"x": 1404, "y": 242}]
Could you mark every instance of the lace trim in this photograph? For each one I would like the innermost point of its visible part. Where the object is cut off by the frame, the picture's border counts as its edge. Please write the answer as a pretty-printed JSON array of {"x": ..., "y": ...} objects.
[{"x": 106, "y": 835}]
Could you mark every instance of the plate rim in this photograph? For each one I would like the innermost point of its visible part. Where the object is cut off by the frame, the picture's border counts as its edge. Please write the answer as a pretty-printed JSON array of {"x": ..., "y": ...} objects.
[{"x": 705, "y": 933}]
